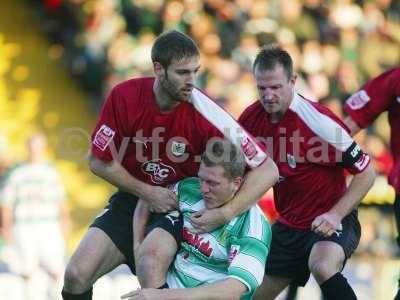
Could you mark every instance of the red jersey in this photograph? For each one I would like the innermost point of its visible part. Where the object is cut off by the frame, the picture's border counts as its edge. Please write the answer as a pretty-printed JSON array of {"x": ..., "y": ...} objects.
[
  {"x": 161, "y": 148},
  {"x": 378, "y": 95},
  {"x": 311, "y": 148}
]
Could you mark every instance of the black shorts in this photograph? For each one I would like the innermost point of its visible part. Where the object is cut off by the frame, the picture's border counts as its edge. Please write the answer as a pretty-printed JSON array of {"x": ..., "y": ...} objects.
[
  {"x": 172, "y": 223},
  {"x": 291, "y": 248},
  {"x": 116, "y": 221}
]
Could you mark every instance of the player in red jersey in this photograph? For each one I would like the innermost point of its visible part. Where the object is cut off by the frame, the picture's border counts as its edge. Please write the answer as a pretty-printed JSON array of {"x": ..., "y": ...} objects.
[
  {"x": 380, "y": 94},
  {"x": 317, "y": 229},
  {"x": 151, "y": 133}
]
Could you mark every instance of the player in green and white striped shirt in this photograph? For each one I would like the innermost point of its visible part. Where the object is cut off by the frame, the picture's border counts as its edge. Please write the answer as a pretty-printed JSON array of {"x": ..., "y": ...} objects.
[{"x": 227, "y": 263}]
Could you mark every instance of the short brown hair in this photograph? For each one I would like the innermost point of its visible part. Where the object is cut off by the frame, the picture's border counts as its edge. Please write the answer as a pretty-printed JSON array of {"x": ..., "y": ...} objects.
[
  {"x": 271, "y": 55},
  {"x": 223, "y": 153},
  {"x": 172, "y": 45}
]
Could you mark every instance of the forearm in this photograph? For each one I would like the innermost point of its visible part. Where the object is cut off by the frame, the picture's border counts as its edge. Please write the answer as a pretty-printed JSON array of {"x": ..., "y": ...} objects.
[
  {"x": 140, "y": 220},
  {"x": 354, "y": 128},
  {"x": 229, "y": 289},
  {"x": 117, "y": 175},
  {"x": 6, "y": 223},
  {"x": 257, "y": 182},
  {"x": 358, "y": 188}
]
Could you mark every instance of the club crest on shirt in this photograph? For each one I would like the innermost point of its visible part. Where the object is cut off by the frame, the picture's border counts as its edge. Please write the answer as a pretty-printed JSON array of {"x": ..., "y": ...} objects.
[
  {"x": 177, "y": 148},
  {"x": 291, "y": 161},
  {"x": 398, "y": 99}
]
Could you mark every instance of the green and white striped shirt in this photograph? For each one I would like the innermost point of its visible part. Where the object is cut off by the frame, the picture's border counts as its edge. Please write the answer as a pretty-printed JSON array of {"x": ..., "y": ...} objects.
[
  {"x": 33, "y": 192},
  {"x": 237, "y": 249}
]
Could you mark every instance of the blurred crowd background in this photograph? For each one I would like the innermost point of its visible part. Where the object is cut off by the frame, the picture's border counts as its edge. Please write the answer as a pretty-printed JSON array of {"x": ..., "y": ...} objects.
[{"x": 60, "y": 58}]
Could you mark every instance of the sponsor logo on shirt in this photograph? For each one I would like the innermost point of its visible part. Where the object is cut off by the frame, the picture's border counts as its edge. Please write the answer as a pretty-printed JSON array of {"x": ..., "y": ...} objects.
[
  {"x": 232, "y": 254},
  {"x": 358, "y": 100},
  {"x": 249, "y": 149},
  {"x": 103, "y": 137},
  {"x": 157, "y": 171},
  {"x": 291, "y": 161},
  {"x": 178, "y": 149},
  {"x": 197, "y": 242}
]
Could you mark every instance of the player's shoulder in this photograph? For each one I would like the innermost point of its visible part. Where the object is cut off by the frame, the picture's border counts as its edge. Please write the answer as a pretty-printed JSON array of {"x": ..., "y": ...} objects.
[
  {"x": 315, "y": 115},
  {"x": 253, "y": 224},
  {"x": 133, "y": 88},
  {"x": 249, "y": 111},
  {"x": 385, "y": 82}
]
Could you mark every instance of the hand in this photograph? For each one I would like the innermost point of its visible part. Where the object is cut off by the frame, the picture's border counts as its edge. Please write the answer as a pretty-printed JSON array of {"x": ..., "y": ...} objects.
[
  {"x": 207, "y": 220},
  {"x": 144, "y": 294},
  {"x": 162, "y": 200},
  {"x": 327, "y": 224}
]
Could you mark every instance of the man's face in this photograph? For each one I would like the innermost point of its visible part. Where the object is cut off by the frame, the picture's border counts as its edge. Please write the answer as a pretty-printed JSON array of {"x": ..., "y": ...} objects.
[
  {"x": 275, "y": 89},
  {"x": 215, "y": 187},
  {"x": 179, "y": 78}
]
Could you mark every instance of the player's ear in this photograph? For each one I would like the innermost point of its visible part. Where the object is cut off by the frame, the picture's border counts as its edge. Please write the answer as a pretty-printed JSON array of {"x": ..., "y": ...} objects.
[
  {"x": 158, "y": 69},
  {"x": 237, "y": 182}
]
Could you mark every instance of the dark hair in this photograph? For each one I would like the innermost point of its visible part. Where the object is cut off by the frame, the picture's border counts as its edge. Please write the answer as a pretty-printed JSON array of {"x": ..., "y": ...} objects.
[
  {"x": 173, "y": 45},
  {"x": 223, "y": 153},
  {"x": 271, "y": 55}
]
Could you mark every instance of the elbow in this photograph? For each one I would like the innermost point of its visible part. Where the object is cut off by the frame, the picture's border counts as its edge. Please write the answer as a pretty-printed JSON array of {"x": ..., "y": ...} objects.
[
  {"x": 95, "y": 165},
  {"x": 92, "y": 164}
]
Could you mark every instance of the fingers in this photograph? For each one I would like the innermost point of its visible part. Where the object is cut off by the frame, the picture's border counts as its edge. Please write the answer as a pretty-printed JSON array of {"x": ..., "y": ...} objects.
[
  {"x": 324, "y": 228},
  {"x": 130, "y": 294}
]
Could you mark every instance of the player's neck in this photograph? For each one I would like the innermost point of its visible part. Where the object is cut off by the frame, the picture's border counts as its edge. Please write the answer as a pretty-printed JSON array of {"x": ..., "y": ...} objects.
[{"x": 164, "y": 101}]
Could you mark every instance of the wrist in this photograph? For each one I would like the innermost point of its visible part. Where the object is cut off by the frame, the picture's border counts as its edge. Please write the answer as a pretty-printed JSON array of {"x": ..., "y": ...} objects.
[
  {"x": 337, "y": 213},
  {"x": 143, "y": 191}
]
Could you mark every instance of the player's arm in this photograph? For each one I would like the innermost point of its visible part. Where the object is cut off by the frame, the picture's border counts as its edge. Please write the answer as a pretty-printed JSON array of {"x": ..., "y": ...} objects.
[
  {"x": 352, "y": 125},
  {"x": 358, "y": 163},
  {"x": 256, "y": 183},
  {"x": 161, "y": 199},
  {"x": 6, "y": 223},
  {"x": 228, "y": 289}
]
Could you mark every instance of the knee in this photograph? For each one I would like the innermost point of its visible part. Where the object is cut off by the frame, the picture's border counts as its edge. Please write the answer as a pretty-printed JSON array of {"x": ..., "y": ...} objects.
[
  {"x": 322, "y": 270},
  {"x": 149, "y": 259},
  {"x": 75, "y": 279}
]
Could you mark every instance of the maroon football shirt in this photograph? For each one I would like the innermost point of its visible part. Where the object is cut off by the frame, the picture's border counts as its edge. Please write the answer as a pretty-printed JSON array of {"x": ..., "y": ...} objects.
[
  {"x": 157, "y": 147},
  {"x": 308, "y": 145},
  {"x": 376, "y": 96}
]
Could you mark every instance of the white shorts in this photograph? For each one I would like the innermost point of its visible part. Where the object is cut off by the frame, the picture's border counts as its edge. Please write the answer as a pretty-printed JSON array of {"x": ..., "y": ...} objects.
[{"x": 38, "y": 245}]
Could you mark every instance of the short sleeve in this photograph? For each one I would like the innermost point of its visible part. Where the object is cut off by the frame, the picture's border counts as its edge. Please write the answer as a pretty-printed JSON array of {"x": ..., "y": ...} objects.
[
  {"x": 374, "y": 98},
  {"x": 111, "y": 128}
]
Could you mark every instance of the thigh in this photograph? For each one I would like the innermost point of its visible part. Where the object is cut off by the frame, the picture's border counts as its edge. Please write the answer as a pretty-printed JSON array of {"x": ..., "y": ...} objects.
[
  {"x": 116, "y": 222},
  {"x": 163, "y": 236},
  {"x": 288, "y": 254},
  {"x": 348, "y": 238},
  {"x": 96, "y": 255},
  {"x": 271, "y": 287}
]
